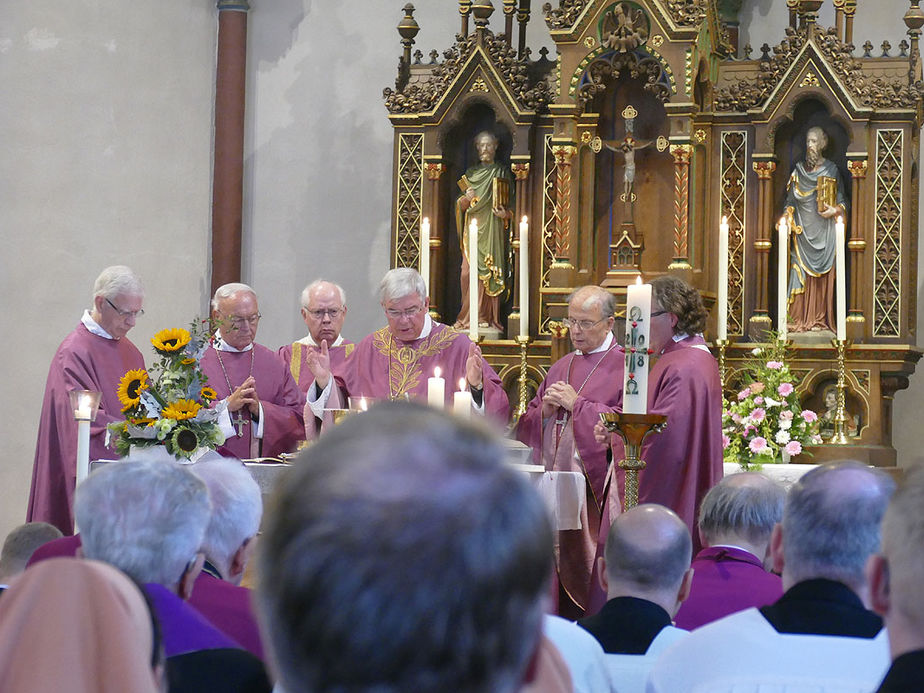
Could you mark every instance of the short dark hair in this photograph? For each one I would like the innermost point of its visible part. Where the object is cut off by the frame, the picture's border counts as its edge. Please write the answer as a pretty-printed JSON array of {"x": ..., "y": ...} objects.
[
  {"x": 676, "y": 296},
  {"x": 403, "y": 554},
  {"x": 22, "y": 542}
]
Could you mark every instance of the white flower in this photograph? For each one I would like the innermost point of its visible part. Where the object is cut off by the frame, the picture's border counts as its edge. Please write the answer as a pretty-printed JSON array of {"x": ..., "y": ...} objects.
[
  {"x": 785, "y": 424},
  {"x": 756, "y": 351},
  {"x": 782, "y": 437},
  {"x": 770, "y": 402}
]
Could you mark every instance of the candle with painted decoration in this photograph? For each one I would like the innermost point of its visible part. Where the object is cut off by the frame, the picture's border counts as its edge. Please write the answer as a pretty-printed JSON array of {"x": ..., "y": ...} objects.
[
  {"x": 840, "y": 278},
  {"x": 425, "y": 252},
  {"x": 638, "y": 331},
  {"x": 462, "y": 401},
  {"x": 436, "y": 390},
  {"x": 524, "y": 277},
  {"x": 782, "y": 291},
  {"x": 722, "y": 317},
  {"x": 473, "y": 280}
]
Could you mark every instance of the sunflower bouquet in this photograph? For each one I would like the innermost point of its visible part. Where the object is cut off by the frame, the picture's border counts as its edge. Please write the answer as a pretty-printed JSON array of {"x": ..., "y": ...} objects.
[{"x": 169, "y": 403}]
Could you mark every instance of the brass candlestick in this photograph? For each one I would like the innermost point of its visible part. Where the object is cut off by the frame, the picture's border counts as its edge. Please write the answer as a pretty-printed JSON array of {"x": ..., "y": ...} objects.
[
  {"x": 722, "y": 344},
  {"x": 521, "y": 408},
  {"x": 840, "y": 414},
  {"x": 633, "y": 428}
]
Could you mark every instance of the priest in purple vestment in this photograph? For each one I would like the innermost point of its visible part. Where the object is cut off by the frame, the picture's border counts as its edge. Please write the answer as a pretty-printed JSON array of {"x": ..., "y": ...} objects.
[
  {"x": 95, "y": 356},
  {"x": 559, "y": 426},
  {"x": 396, "y": 361},
  {"x": 259, "y": 402}
]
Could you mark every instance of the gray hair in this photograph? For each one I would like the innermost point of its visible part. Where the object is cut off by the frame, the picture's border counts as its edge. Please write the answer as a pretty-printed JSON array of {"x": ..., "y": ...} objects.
[
  {"x": 903, "y": 546},
  {"x": 117, "y": 280},
  {"x": 237, "y": 506},
  {"x": 831, "y": 522},
  {"x": 146, "y": 518},
  {"x": 596, "y": 295},
  {"x": 486, "y": 133},
  {"x": 748, "y": 504},
  {"x": 228, "y": 290},
  {"x": 648, "y": 565},
  {"x": 401, "y": 282},
  {"x": 823, "y": 136},
  {"x": 21, "y": 543},
  {"x": 402, "y": 541},
  {"x": 306, "y": 292}
]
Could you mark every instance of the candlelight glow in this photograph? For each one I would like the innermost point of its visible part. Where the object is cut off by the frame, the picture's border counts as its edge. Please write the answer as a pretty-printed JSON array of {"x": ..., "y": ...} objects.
[{"x": 461, "y": 384}]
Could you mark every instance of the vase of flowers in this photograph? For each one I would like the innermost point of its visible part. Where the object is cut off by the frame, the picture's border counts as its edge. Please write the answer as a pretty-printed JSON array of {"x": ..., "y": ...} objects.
[
  {"x": 168, "y": 405},
  {"x": 764, "y": 423}
]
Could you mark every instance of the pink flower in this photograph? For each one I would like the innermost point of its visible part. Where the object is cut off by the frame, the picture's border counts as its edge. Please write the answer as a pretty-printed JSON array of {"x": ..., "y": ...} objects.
[
  {"x": 785, "y": 389},
  {"x": 736, "y": 418},
  {"x": 756, "y": 388},
  {"x": 758, "y": 414},
  {"x": 758, "y": 400},
  {"x": 726, "y": 441},
  {"x": 809, "y": 416},
  {"x": 786, "y": 414},
  {"x": 744, "y": 394},
  {"x": 793, "y": 447},
  {"x": 758, "y": 445},
  {"x": 774, "y": 365}
]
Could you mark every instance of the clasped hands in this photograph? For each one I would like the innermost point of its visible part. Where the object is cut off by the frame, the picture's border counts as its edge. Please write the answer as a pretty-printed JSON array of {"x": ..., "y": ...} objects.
[
  {"x": 245, "y": 396},
  {"x": 558, "y": 394}
]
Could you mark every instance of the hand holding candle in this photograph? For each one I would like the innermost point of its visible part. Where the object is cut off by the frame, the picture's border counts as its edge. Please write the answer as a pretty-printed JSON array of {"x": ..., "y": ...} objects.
[{"x": 638, "y": 329}]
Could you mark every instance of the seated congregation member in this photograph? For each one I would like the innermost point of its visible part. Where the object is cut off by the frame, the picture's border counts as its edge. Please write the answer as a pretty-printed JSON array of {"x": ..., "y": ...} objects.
[
  {"x": 94, "y": 356},
  {"x": 149, "y": 520},
  {"x": 19, "y": 546},
  {"x": 78, "y": 626},
  {"x": 582, "y": 653},
  {"x": 646, "y": 574},
  {"x": 237, "y": 507},
  {"x": 558, "y": 425},
  {"x": 403, "y": 554},
  {"x": 735, "y": 521},
  {"x": 396, "y": 361},
  {"x": 895, "y": 576},
  {"x": 260, "y": 402},
  {"x": 818, "y": 636}
]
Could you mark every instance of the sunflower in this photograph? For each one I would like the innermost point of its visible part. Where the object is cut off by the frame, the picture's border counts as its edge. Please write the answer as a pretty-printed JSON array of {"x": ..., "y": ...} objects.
[
  {"x": 188, "y": 362},
  {"x": 185, "y": 441},
  {"x": 181, "y": 409},
  {"x": 142, "y": 421},
  {"x": 130, "y": 388},
  {"x": 170, "y": 340},
  {"x": 208, "y": 394}
]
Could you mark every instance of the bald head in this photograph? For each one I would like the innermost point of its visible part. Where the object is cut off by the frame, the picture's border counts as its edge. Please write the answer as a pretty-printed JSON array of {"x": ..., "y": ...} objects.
[{"x": 592, "y": 296}]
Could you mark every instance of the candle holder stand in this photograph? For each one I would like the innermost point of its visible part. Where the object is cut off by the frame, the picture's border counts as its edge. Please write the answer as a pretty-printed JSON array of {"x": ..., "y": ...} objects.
[
  {"x": 633, "y": 428},
  {"x": 722, "y": 344},
  {"x": 521, "y": 406},
  {"x": 840, "y": 414}
]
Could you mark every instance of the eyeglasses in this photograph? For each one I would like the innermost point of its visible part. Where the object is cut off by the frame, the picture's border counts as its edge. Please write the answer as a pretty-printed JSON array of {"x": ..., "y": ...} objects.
[
  {"x": 125, "y": 313},
  {"x": 583, "y": 324},
  {"x": 332, "y": 313},
  {"x": 237, "y": 321},
  {"x": 398, "y": 314}
]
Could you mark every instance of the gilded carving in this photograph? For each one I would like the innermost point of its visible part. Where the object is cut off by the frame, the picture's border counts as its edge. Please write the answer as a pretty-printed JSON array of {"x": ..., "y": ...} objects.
[
  {"x": 434, "y": 171},
  {"x": 520, "y": 171},
  {"x": 565, "y": 15},
  {"x": 662, "y": 143},
  {"x": 810, "y": 80},
  {"x": 642, "y": 64},
  {"x": 681, "y": 154},
  {"x": 548, "y": 226},
  {"x": 624, "y": 27},
  {"x": 585, "y": 137},
  {"x": 590, "y": 42},
  {"x": 858, "y": 168},
  {"x": 479, "y": 85},
  {"x": 409, "y": 198},
  {"x": 657, "y": 40},
  {"x": 686, "y": 12},
  {"x": 733, "y": 194},
  {"x": 764, "y": 169},
  {"x": 699, "y": 136},
  {"x": 887, "y": 234}
]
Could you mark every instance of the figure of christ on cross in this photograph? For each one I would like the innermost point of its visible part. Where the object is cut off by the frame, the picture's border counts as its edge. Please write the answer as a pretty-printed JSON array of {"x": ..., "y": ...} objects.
[{"x": 627, "y": 146}]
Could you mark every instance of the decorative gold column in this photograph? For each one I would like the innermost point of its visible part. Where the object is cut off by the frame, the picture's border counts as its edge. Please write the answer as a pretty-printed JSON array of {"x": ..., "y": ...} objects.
[
  {"x": 681, "y": 154},
  {"x": 850, "y": 9},
  {"x": 465, "y": 9},
  {"x": 563, "y": 153},
  {"x": 764, "y": 166},
  {"x": 857, "y": 165},
  {"x": 839, "y": 18},
  {"x": 434, "y": 171},
  {"x": 510, "y": 8},
  {"x": 520, "y": 168}
]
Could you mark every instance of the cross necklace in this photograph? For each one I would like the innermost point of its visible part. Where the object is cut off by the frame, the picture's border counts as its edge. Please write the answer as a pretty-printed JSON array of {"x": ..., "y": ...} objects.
[{"x": 237, "y": 421}]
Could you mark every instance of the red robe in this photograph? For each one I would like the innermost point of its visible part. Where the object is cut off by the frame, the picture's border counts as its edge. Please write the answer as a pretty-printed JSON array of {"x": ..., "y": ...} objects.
[
  {"x": 280, "y": 397},
  {"x": 84, "y": 361},
  {"x": 597, "y": 378}
]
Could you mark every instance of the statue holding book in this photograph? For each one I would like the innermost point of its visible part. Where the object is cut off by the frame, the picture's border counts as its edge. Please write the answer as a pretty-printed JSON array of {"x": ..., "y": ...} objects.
[
  {"x": 814, "y": 200},
  {"x": 486, "y": 199}
]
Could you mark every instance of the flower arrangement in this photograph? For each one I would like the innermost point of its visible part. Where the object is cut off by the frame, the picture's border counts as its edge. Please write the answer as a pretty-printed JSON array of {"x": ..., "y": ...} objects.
[
  {"x": 169, "y": 405},
  {"x": 765, "y": 422}
]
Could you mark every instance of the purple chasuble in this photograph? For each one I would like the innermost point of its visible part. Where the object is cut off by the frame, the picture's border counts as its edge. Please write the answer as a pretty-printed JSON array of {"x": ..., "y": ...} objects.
[
  {"x": 184, "y": 629},
  {"x": 382, "y": 367},
  {"x": 84, "y": 361},
  {"x": 281, "y": 399},
  {"x": 294, "y": 355},
  {"x": 564, "y": 442},
  {"x": 229, "y": 608}
]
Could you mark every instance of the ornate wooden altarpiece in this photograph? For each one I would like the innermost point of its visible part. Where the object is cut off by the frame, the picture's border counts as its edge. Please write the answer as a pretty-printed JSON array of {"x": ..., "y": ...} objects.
[{"x": 713, "y": 131}]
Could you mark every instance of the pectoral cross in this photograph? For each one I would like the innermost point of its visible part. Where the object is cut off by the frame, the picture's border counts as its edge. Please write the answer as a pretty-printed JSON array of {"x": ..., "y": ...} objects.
[{"x": 239, "y": 422}]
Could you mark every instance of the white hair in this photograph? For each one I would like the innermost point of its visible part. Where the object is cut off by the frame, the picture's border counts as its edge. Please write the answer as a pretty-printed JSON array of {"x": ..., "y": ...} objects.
[
  {"x": 401, "y": 282},
  {"x": 237, "y": 506},
  {"x": 306, "y": 292},
  {"x": 228, "y": 290},
  {"x": 117, "y": 280}
]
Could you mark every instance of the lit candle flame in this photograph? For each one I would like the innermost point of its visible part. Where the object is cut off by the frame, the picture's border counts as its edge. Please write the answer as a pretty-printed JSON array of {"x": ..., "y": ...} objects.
[
  {"x": 436, "y": 372},
  {"x": 461, "y": 384}
]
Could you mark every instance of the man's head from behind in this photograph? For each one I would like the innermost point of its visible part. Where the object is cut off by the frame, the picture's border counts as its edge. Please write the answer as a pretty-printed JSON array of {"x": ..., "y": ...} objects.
[
  {"x": 19, "y": 546},
  {"x": 403, "y": 554},
  {"x": 648, "y": 552},
  {"x": 146, "y": 518},
  {"x": 831, "y": 524},
  {"x": 323, "y": 310}
]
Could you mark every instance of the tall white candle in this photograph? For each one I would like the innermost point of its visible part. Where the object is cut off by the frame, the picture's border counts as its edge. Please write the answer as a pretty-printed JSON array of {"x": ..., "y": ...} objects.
[
  {"x": 524, "y": 277},
  {"x": 782, "y": 291},
  {"x": 722, "y": 317},
  {"x": 473, "y": 280},
  {"x": 840, "y": 278},
  {"x": 638, "y": 331},
  {"x": 425, "y": 252},
  {"x": 462, "y": 401},
  {"x": 436, "y": 390}
]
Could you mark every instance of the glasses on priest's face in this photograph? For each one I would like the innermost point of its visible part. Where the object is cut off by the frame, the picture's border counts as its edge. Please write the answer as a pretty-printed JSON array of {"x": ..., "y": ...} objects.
[
  {"x": 332, "y": 313},
  {"x": 125, "y": 313},
  {"x": 237, "y": 322},
  {"x": 582, "y": 325},
  {"x": 407, "y": 313}
]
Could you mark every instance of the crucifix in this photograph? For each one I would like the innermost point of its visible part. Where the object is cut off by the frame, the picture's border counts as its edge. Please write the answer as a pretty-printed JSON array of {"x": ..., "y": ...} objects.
[
  {"x": 239, "y": 422},
  {"x": 627, "y": 146}
]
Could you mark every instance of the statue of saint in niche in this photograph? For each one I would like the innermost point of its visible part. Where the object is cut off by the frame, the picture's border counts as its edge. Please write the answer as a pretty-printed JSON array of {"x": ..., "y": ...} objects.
[
  {"x": 814, "y": 199},
  {"x": 487, "y": 199}
]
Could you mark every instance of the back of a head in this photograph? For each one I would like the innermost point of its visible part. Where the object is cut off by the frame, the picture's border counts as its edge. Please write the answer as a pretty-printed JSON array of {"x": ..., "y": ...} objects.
[
  {"x": 146, "y": 518},
  {"x": 237, "y": 505},
  {"x": 403, "y": 554},
  {"x": 831, "y": 522},
  {"x": 21, "y": 543},
  {"x": 745, "y": 505},
  {"x": 903, "y": 547},
  {"x": 676, "y": 296},
  {"x": 648, "y": 551}
]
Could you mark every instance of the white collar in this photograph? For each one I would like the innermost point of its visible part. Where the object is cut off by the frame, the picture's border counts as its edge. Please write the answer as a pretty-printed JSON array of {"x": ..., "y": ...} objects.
[
  {"x": 604, "y": 345},
  {"x": 680, "y": 336},
  {"x": 222, "y": 345},
  {"x": 309, "y": 341},
  {"x": 93, "y": 326}
]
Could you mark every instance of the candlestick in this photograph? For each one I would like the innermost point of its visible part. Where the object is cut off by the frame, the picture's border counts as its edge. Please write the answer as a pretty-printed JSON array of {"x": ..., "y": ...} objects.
[
  {"x": 462, "y": 401},
  {"x": 633, "y": 428},
  {"x": 425, "y": 252},
  {"x": 638, "y": 329},
  {"x": 782, "y": 293},
  {"x": 524, "y": 277},
  {"x": 436, "y": 390},
  {"x": 722, "y": 318},
  {"x": 722, "y": 344},
  {"x": 840, "y": 279},
  {"x": 523, "y": 341},
  {"x": 473, "y": 280},
  {"x": 840, "y": 414}
]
